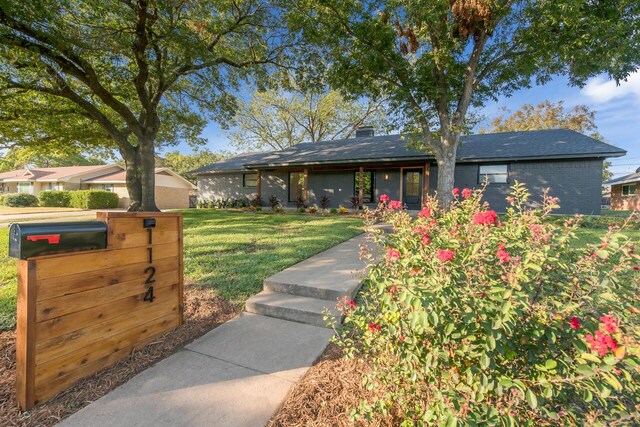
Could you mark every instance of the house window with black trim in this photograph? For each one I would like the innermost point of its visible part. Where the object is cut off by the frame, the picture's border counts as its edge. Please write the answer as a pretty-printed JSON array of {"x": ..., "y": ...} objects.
[
  {"x": 107, "y": 187},
  {"x": 629, "y": 190},
  {"x": 368, "y": 186},
  {"x": 250, "y": 180},
  {"x": 296, "y": 186},
  {"x": 493, "y": 174}
]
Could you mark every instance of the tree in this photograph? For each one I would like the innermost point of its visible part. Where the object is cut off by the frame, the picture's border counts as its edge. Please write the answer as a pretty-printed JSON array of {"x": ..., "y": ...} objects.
[
  {"x": 436, "y": 59},
  {"x": 18, "y": 158},
  {"x": 183, "y": 164},
  {"x": 135, "y": 72},
  {"x": 548, "y": 115},
  {"x": 276, "y": 119}
]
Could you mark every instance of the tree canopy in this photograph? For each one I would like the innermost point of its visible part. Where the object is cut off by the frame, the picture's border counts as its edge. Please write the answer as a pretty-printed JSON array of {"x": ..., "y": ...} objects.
[
  {"x": 435, "y": 59},
  {"x": 279, "y": 118},
  {"x": 130, "y": 73},
  {"x": 183, "y": 164}
]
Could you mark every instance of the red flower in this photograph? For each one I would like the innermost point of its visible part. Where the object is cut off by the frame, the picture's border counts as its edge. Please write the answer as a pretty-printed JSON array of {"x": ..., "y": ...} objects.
[
  {"x": 466, "y": 193},
  {"x": 609, "y": 324},
  {"x": 503, "y": 255},
  {"x": 393, "y": 255},
  {"x": 445, "y": 255},
  {"x": 352, "y": 304},
  {"x": 455, "y": 191},
  {"x": 636, "y": 268},
  {"x": 424, "y": 213},
  {"x": 374, "y": 327},
  {"x": 395, "y": 205},
  {"x": 485, "y": 218},
  {"x": 393, "y": 289},
  {"x": 384, "y": 198},
  {"x": 426, "y": 240},
  {"x": 574, "y": 323},
  {"x": 601, "y": 342}
]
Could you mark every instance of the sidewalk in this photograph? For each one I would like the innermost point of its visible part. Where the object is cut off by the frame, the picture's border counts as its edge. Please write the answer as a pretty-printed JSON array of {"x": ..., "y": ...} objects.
[{"x": 239, "y": 373}]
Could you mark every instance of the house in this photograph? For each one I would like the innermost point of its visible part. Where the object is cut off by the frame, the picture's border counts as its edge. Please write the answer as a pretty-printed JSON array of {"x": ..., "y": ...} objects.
[
  {"x": 567, "y": 162},
  {"x": 172, "y": 191},
  {"x": 624, "y": 194}
]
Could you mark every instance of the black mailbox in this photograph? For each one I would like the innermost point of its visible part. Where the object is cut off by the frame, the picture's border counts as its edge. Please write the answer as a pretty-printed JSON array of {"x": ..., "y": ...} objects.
[{"x": 28, "y": 240}]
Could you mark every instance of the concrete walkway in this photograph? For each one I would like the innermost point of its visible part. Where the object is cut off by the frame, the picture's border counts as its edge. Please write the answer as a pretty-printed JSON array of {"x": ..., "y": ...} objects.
[{"x": 239, "y": 373}]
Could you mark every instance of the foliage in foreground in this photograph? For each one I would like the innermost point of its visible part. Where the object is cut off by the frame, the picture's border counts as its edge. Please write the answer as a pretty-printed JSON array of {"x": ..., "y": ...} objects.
[{"x": 470, "y": 320}]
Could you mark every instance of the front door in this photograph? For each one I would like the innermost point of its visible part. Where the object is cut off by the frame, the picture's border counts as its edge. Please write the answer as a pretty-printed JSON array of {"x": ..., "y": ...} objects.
[{"x": 412, "y": 188}]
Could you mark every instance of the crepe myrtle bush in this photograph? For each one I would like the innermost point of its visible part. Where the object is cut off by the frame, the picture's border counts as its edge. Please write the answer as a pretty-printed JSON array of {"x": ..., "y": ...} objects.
[{"x": 475, "y": 319}]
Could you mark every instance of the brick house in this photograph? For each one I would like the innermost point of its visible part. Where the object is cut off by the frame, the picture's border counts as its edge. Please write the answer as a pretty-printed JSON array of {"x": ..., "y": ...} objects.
[{"x": 624, "y": 192}]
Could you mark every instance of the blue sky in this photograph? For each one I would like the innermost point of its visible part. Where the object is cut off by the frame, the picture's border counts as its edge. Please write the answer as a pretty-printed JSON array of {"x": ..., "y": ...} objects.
[{"x": 617, "y": 114}]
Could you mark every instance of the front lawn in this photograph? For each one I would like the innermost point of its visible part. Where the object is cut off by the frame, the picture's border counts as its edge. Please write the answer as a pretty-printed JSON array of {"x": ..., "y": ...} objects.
[
  {"x": 7, "y": 210},
  {"x": 228, "y": 252}
]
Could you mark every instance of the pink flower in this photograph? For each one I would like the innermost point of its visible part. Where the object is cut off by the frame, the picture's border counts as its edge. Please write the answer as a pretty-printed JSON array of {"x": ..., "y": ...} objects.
[
  {"x": 426, "y": 240},
  {"x": 609, "y": 324},
  {"x": 503, "y": 255},
  {"x": 393, "y": 255},
  {"x": 374, "y": 327},
  {"x": 455, "y": 191},
  {"x": 601, "y": 342},
  {"x": 395, "y": 205},
  {"x": 466, "y": 193},
  {"x": 384, "y": 198},
  {"x": 445, "y": 255},
  {"x": 574, "y": 323},
  {"x": 636, "y": 268},
  {"x": 352, "y": 304},
  {"x": 485, "y": 218},
  {"x": 393, "y": 289},
  {"x": 424, "y": 213}
]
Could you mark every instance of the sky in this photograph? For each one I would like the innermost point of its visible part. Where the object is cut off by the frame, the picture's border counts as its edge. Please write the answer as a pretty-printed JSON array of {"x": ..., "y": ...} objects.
[{"x": 617, "y": 114}]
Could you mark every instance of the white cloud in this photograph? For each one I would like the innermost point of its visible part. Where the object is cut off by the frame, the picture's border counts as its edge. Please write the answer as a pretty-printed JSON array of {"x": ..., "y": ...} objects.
[{"x": 599, "y": 89}]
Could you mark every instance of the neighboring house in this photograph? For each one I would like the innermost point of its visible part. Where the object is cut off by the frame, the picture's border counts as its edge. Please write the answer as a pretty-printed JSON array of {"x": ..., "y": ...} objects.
[
  {"x": 172, "y": 191},
  {"x": 624, "y": 194},
  {"x": 566, "y": 161}
]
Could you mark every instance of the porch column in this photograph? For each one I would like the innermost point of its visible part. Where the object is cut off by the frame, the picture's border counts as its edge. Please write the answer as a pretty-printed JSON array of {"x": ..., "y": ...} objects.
[
  {"x": 361, "y": 187},
  {"x": 259, "y": 184},
  {"x": 427, "y": 168},
  {"x": 305, "y": 186}
]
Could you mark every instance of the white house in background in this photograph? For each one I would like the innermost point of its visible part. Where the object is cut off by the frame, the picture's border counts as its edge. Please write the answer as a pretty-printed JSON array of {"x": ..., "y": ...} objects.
[{"x": 172, "y": 190}]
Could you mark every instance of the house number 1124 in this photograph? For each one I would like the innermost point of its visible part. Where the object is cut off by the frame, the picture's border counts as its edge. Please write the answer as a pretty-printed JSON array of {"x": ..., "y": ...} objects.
[{"x": 150, "y": 271}]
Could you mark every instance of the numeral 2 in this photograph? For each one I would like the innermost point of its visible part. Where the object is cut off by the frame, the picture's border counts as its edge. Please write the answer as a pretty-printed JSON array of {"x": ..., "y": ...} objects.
[{"x": 151, "y": 271}]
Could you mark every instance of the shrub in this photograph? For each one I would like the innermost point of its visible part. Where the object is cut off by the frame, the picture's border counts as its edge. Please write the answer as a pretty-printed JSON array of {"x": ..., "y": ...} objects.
[
  {"x": 258, "y": 208},
  {"x": 301, "y": 209},
  {"x": 93, "y": 199},
  {"x": 470, "y": 320},
  {"x": 299, "y": 201},
  {"x": 273, "y": 202},
  {"x": 325, "y": 201},
  {"x": 51, "y": 198},
  {"x": 312, "y": 209},
  {"x": 355, "y": 202},
  {"x": 342, "y": 210},
  {"x": 256, "y": 201},
  {"x": 333, "y": 211},
  {"x": 200, "y": 204},
  {"x": 20, "y": 200}
]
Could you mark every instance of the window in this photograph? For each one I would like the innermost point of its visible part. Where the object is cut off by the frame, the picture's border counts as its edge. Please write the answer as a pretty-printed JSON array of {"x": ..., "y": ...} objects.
[
  {"x": 296, "y": 185},
  {"x": 107, "y": 187},
  {"x": 368, "y": 186},
  {"x": 498, "y": 174},
  {"x": 25, "y": 187},
  {"x": 629, "y": 190},
  {"x": 249, "y": 180}
]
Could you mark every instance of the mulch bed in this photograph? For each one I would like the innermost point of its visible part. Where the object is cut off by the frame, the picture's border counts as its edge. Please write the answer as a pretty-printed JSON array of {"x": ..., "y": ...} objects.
[
  {"x": 202, "y": 313},
  {"x": 326, "y": 395}
]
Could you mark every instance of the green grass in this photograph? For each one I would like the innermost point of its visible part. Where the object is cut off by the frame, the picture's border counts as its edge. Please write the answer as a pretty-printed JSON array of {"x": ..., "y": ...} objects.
[
  {"x": 616, "y": 214},
  {"x": 228, "y": 252}
]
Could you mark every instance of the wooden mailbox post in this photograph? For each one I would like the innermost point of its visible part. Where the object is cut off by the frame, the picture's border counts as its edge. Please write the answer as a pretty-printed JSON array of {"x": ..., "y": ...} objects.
[{"x": 81, "y": 312}]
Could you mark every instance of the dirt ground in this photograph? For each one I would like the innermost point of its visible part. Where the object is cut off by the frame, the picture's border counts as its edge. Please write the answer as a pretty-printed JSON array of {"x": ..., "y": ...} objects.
[{"x": 202, "y": 313}]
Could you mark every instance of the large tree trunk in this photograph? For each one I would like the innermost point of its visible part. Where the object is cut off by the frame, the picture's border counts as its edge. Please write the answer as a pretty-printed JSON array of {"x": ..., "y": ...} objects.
[
  {"x": 147, "y": 151},
  {"x": 133, "y": 163},
  {"x": 446, "y": 159}
]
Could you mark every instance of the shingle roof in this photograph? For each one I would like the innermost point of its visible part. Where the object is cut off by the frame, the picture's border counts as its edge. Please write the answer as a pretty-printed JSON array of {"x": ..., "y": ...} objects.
[
  {"x": 527, "y": 145},
  {"x": 50, "y": 174},
  {"x": 232, "y": 164},
  {"x": 632, "y": 177}
]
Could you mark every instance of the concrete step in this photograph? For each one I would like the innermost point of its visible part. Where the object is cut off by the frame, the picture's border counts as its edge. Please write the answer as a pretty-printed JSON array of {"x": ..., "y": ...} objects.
[
  {"x": 322, "y": 290},
  {"x": 294, "y": 308}
]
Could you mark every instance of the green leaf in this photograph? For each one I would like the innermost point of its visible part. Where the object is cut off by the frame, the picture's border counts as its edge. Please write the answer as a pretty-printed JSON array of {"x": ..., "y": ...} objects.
[
  {"x": 613, "y": 381},
  {"x": 550, "y": 364},
  {"x": 532, "y": 400},
  {"x": 452, "y": 421},
  {"x": 484, "y": 361},
  {"x": 590, "y": 357}
]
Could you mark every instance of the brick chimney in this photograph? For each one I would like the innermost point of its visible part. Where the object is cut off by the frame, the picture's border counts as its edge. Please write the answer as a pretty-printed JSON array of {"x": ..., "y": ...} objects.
[{"x": 364, "y": 131}]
